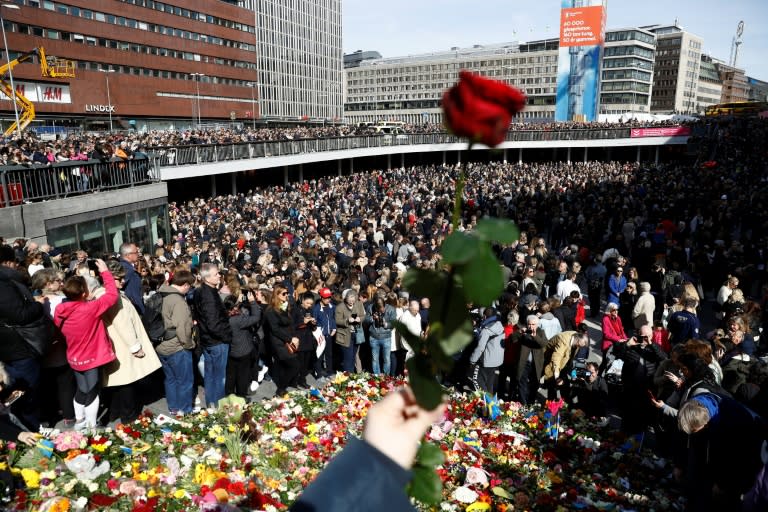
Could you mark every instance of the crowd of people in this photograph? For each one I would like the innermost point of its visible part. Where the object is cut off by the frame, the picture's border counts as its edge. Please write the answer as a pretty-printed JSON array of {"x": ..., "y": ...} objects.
[
  {"x": 29, "y": 150},
  {"x": 306, "y": 280}
]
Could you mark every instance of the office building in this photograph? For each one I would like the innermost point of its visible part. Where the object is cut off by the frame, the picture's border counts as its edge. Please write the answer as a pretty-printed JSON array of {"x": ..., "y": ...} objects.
[
  {"x": 300, "y": 60},
  {"x": 182, "y": 63},
  {"x": 735, "y": 87},
  {"x": 627, "y": 76},
  {"x": 710, "y": 85},
  {"x": 757, "y": 89},
  {"x": 409, "y": 89},
  {"x": 676, "y": 69}
]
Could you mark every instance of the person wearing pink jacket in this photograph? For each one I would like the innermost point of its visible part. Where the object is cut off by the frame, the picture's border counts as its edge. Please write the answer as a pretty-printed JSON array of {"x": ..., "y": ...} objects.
[
  {"x": 88, "y": 345},
  {"x": 613, "y": 329}
]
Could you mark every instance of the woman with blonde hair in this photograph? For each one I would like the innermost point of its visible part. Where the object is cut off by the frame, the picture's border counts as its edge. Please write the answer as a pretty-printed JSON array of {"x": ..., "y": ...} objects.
[{"x": 135, "y": 356}]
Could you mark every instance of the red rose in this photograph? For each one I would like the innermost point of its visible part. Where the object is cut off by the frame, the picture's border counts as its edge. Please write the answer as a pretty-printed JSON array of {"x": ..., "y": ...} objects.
[{"x": 481, "y": 109}]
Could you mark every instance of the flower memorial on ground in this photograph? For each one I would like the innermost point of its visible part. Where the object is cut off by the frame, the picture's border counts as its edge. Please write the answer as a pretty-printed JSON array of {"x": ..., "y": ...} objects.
[{"x": 498, "y": 456}]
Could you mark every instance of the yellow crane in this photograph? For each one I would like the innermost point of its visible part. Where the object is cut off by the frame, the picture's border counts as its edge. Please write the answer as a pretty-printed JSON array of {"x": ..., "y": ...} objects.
[{"x": 50, "y": 67}]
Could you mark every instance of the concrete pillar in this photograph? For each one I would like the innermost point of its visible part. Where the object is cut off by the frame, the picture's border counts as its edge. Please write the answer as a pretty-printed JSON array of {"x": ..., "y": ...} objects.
[
  {"x": 505, "y": 155},
  {"x": 520, "y": 155},
  {"x": 301, "y": 173},
  {"x": 554, "y": 154},
  {"x": 568, "y": 156},
  {"x": 389, "y": 162},
  {"x": 638, "y": 154},
  {"x": 402, "y": 160},
  {"x": 608, "y": 154},
  {"x": 443, "y": 157},
  {"x": 458, "y": 157},
  {"x": 656, "y": 158},
  {"x": 585, "y": 153},
  {"x": 285, "y": 176},
  {"x": 233, "y": 176},
  {"x": 351, "y": 166},
  {"x": 213, "y": 184},
  {"x": 338, "y": 167}
]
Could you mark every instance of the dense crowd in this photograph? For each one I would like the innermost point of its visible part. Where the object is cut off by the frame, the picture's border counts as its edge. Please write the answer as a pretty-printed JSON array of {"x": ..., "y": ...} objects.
[
  {"x": 125, "y": 145},
  {"x": 307, "y": 280}
]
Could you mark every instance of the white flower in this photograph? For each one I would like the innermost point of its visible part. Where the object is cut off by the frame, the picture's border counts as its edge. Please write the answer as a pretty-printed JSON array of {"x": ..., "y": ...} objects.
[
  {"x": 464, "y": 495},
  {"x": 476, "y": 476}
]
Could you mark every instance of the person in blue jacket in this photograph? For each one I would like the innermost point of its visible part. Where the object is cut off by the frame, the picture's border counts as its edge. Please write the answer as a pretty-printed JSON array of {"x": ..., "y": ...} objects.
[{"x": 371, "y": 473}]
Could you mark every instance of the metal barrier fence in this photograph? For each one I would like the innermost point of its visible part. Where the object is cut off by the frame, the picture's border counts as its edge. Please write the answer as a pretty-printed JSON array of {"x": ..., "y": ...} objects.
[
  {"x": 211, "y": 153},
  {"x": 20, "y": 184}
]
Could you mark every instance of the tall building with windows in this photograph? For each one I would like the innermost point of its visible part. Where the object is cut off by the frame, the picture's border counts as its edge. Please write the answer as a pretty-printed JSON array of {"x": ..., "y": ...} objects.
[
  {"x": 152, "y": 63},
  {"x": 676, "y": 69},
  {"x": 409, "y": 89},
  {"x": 627, "y": 79},
  {"x": 300, "y": 60},
  {"x": 735, "y": 86},
  {"x": 710, "y": 85},
  {"x": 757, "y": 89}
]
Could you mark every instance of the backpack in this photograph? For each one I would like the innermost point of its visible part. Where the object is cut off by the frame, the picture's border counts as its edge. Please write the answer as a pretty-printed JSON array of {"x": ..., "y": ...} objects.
[{"x": 153, "y": 320}]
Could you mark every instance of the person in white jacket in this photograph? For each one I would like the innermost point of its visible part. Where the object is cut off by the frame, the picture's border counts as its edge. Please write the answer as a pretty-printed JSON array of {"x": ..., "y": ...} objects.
[
  {"x": 642, "y": 313},
  {"x": 490, "y": 348}
]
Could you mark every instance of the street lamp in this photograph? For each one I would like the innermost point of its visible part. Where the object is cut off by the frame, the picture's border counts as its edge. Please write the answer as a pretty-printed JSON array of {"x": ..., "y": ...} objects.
[
  {"x": 253, "y": 85},
  {"x": 10, "y": 72},
  {"x": 197, "y": 87},
  {"x": 109, "y": 98}
]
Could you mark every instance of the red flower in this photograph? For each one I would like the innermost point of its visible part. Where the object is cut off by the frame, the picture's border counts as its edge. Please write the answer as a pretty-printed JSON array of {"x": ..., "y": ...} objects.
[
  {"x": 102, "y": 500},
  {"x": 146, "y": 506},
  {"x": 480, "y": 108}
]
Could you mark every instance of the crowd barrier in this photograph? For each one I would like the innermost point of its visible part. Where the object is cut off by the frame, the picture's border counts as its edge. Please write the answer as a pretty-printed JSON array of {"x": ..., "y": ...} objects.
[
  {"x": 20, "y": 183},
  {"x": 212, "y": 153}
]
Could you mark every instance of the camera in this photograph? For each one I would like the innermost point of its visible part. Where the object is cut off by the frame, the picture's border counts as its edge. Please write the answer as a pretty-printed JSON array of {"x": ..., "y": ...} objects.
[
  {"x": 579, "y": 371},
  {"x": 378, "y": 320},
  {"x": 92, "y": 265}
]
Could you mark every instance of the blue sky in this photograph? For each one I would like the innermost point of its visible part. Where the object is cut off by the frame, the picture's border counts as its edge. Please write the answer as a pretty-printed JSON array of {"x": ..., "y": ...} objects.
[{"x": 406, "y": 27}]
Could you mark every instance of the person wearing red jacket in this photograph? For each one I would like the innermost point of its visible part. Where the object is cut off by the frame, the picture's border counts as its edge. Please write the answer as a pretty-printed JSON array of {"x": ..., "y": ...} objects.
[
  {"x": 88, "y": 345},
  {"x": 613, "y": 328}
]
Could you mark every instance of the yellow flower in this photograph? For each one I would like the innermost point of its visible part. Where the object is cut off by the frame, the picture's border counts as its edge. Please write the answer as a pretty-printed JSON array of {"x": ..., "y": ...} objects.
[
  {"x": 152, "y": 493},
  {"x": 231, "y": 428},
  {"x": 220, "y": 439},
  {"x": 31, "y": 478},
  {"x": 179, "y": 494},
  {"x": 61, "y": 505}
]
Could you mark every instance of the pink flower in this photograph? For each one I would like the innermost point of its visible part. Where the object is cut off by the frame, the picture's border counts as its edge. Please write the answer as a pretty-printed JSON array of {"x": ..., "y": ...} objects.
[{"x": 69, "y": 440}]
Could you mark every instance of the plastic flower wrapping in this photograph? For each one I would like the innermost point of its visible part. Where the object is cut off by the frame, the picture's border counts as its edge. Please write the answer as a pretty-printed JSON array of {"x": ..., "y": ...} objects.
[{"x": 261, "y": 456}]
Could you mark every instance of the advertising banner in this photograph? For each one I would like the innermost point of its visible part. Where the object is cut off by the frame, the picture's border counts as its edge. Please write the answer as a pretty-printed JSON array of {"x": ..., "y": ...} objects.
[
  {"x": 42, "y": 93},
  {"x": 582, "y": 32},
  {"x": 666, "y": 131}
]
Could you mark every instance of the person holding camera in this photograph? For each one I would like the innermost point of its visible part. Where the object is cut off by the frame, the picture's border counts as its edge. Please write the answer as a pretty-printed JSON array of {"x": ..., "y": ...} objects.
[
  {"x": 380, "y": 320},
  {"x": 589, "y": 391},
  {"x": 305, "y": 324},
  {"x": 349, "y": 324},
  {"x": 244, "y": 315},
  {"x": 558, "y": 355},
  {"x": 641, "y": 358}
]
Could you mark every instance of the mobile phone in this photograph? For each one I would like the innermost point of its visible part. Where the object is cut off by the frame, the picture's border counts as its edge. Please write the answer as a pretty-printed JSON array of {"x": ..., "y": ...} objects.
[
  {"x": 651, "y": 395},
  {"x": 15, "y": 395},
  {"x": 354, "y": 315}
]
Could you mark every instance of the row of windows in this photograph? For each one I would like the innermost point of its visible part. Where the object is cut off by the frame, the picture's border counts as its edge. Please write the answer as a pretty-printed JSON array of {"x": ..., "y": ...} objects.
[
  {"x": 624, "y": 98},
  {"x": 160, "y": 73},
  {"x": 126, "y": 46},
  {"x": 194, "y": 15},
  {"x": 373, "y": 71},
  {"x": 631, "y": 62},
  {"x": 620, "y": 74},
  {"x": 140, "y": 25},
  {"x": 629, "y": 50},
  {"x": 625, "y": 86},
  {"x": 628, "y": 35}
]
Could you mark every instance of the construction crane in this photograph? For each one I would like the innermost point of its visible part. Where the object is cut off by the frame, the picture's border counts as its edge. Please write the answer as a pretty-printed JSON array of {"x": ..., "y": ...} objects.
[{"x": 50, "y": 67}]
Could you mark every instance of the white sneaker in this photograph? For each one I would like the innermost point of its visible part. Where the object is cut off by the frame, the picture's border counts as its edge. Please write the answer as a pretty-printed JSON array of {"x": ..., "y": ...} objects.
[
  {"x": 254, "y": 386},
  {"x": 262, "y": 373}
]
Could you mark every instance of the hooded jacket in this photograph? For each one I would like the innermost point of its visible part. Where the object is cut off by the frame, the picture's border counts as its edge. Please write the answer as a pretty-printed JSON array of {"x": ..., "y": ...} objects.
[
  {"x": 489, "y": 344},
  {"x": 176, "y": 316},
  {"x": 88, "y": 345}
]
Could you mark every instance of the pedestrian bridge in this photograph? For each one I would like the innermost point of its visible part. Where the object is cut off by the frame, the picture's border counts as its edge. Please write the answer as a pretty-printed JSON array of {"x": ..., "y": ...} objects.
[{"x": 198, "y": 160}]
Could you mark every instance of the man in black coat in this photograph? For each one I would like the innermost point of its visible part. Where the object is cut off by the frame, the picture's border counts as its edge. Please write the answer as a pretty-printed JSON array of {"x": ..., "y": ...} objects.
[
  {"x": 215, "y": 333},
  {"x": 19, "y": 310}
]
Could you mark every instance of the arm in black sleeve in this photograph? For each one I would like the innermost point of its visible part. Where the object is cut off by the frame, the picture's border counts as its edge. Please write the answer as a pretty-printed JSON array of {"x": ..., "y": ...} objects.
[{"x": 346, "y": 483}]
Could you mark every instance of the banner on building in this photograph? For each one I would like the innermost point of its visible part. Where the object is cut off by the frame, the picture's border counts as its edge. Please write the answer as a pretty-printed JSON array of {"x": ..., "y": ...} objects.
[
  {"x": 582, "y": 32},
  {"x": 666, "y": 131},
  {"x": 42, "y": 93}
]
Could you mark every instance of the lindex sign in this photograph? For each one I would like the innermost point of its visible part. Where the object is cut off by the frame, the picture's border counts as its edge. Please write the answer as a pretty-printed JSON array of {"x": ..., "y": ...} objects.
[{"x": 100, "y": 108}]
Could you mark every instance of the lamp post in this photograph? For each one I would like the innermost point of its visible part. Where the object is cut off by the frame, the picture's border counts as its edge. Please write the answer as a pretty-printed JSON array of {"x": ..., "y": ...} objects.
[
  {"x": 252, "y": 85},
  {"x": 197, "y": 87},
  {"x": 10, "y": 71},
  {"x": 109, "y": 97}
]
